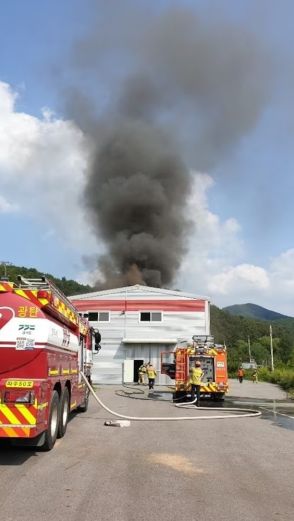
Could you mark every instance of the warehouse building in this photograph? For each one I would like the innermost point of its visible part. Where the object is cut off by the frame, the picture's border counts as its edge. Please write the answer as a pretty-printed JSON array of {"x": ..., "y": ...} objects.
[{"x": 136, "y": 324}]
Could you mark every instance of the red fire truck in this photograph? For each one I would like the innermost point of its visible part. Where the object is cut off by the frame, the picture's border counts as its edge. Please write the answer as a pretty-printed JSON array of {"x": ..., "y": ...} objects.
[
  {"x": 213, "y": 359},
  {"x": 44, "y": 344}
]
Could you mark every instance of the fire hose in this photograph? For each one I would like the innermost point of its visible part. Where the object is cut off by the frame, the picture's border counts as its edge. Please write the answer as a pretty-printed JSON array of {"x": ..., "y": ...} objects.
[{"x": 245, "y": 413}]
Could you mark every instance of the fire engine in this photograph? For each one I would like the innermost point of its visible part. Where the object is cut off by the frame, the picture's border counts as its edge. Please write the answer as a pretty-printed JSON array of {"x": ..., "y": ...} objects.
[
  {"x": 44, "y": 343},
  {"x": 213, "y": 358}
]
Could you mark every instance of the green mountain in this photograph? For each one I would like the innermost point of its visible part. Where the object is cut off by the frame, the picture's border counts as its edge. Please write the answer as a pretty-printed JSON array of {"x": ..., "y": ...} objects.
[
  {"x": 236, "y": 331},
  {"x": 254, "y": 311},
  {"x": 229, "y": 329}
]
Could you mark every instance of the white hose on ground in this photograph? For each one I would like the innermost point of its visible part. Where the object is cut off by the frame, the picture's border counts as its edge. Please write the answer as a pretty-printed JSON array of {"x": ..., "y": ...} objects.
[{"x": 248, "y": 412}]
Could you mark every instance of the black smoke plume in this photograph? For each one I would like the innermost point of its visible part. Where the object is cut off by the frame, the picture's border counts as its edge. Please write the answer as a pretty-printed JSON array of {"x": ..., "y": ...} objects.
[
  {"x": 137, "y": 197},
  {"x": 176, "y": 88}
]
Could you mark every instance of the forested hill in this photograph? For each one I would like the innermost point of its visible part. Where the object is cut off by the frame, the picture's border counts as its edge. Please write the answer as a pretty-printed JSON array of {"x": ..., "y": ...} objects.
[
  {"x": 254, "y": 311},
  {"x": 67, "y": 286},
  {"x": 229, "y": 329},
  {"x": 235, "y": 331}
]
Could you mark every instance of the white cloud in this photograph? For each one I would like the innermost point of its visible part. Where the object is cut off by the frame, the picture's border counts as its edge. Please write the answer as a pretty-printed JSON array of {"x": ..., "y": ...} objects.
[
  {"x": 212, "y": 236},
  {"x": 6, "y": 206},
  {"x": 281, "y": 271},
  {"x": 7, "y": 99},
  {"x": 271, "y": 286},
  {"x": 282, "y": 267},
  {"x": 42, "y": 169},
  {"x": 213, "y": 245},
  {"x": 244, "y": 277},
  {"x": 216, "y": 264}
]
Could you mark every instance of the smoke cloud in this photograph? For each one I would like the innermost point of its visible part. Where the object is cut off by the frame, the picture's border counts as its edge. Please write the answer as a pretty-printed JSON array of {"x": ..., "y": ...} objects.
[
  {"x": 173, "y": 88},
  {"x": 136, "y": 195}
]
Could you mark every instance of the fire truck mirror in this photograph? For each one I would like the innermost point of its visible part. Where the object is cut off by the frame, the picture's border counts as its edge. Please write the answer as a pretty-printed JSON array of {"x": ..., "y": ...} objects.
[{"x": 169, "y": 369}]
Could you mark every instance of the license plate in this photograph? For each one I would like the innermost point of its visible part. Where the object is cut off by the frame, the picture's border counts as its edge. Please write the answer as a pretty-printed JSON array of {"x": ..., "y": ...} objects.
[
  {"x": 25, "y": 384},
  {"x": 24, "y": 343}
]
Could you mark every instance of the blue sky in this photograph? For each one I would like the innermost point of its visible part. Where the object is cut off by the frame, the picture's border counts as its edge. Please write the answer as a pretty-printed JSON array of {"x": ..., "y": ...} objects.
[{"x": 244, "y": 200}]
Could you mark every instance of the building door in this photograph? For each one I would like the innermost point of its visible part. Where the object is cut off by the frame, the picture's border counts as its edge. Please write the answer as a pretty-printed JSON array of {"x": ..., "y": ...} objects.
[
  {"x": 137, "y": 364},
  {"x": 128, "y": 371},
  {"x": 139, "y": 353}
]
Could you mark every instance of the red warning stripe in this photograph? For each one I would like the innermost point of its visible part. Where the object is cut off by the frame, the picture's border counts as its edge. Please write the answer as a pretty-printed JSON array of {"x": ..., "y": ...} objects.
[
  {"x": 14, "y": 432},
  {"x": 189, "y": 305},
  {"x": 8, "y": 432},
  {"x": 13, "y": 416},
  {"x": 29, "y": 295}
]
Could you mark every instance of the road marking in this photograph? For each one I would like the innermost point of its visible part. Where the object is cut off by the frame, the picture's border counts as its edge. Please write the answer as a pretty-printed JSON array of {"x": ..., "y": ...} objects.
[{"x": 259, "y": 404}]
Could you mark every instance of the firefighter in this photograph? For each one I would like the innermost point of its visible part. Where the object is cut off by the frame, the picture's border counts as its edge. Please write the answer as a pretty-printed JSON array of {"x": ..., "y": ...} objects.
[
  {"x": 196, "y": 375},
  {"x": 142, "y": 372},
  {"x": 255, "y": 376},
  {"x": 240, "y": 374},
  {"x": 151, "y": 374}
]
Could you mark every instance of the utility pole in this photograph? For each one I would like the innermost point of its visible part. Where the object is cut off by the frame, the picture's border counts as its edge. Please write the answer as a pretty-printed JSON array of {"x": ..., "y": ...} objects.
[
  {"x": 271, "y": 344},
  {"x": 5, "y": 264},
  {"x": 249, "y": 348}
]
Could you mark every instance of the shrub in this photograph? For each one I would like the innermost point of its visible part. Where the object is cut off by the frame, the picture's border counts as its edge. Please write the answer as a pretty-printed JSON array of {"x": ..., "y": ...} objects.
[{"x": 282, "y": 376}]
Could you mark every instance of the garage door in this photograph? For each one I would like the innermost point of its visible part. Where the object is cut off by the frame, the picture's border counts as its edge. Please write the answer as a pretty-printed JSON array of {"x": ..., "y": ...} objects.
[{"x": 150, "y": 352}]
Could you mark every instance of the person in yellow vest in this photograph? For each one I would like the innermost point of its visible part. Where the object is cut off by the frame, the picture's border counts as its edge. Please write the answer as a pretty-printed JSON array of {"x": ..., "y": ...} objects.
[
  {"x": 142, "y": 372},
  {"x": 151, "y": 374},
  {"x": 196, "y": 375}
]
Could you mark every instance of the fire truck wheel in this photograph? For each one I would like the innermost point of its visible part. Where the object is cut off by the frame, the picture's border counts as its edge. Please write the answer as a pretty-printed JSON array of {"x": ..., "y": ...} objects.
[
  {"x": 179, "y": 396},
  {"x": 64, "y": 413},
  {"x": 51, "y": 433},
  {"x": 84, "y": 407},
  {"x": 218, "y": 397}
]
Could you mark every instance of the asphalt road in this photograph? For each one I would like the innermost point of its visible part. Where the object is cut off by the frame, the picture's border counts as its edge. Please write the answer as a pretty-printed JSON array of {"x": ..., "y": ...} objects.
[{"x": 220, "y": 470}]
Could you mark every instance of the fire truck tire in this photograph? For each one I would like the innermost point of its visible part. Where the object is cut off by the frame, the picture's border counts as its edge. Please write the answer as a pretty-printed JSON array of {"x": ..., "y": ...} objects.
[
  {"x": 179, "y": 396},
  {"x": 64, "y": 413},
  {"x": 84, "y": 407},
  {"x": 218, "y": 397},
  {"x": 53, "y": 421}
]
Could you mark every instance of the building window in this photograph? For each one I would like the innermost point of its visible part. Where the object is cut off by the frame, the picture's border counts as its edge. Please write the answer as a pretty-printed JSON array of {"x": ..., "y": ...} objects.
[
  {"x": 150, "y": 316},
  {"x": 156, "y": 316},
  {"x": 93, "y": 317},
  {"x": 103, "y": 316},
  {"x": 98, "y": 316}
]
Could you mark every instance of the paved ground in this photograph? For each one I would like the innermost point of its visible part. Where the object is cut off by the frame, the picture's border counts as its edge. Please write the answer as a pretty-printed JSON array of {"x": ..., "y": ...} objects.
[
  {"x": 217, "y": 470},
  {"x": 262, "y": 390}
]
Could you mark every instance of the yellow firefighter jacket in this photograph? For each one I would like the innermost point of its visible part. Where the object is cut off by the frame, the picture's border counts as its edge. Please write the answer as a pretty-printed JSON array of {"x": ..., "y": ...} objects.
[
  {"x": 151, "y": 373},
  {"x": 196, "y": 375}
]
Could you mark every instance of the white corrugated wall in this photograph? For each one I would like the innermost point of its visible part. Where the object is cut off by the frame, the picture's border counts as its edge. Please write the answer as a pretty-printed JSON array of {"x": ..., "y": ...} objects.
[
  {"x": 124, "y": 337},
  {"x": 108, "y": 363}
]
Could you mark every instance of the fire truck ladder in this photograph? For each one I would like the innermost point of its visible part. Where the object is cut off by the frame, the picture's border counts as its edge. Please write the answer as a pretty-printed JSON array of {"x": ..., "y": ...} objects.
[
  {"x": 55, "y": 302},
  {"x": 46, "y": 284}
]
